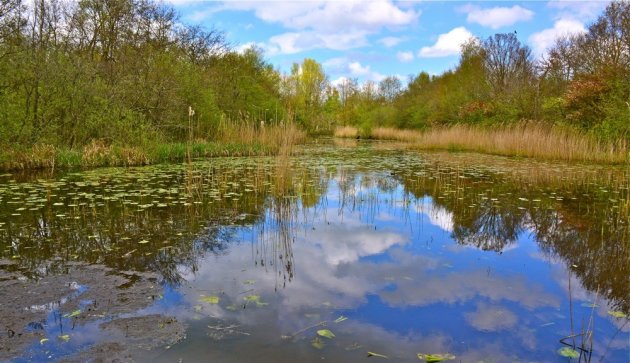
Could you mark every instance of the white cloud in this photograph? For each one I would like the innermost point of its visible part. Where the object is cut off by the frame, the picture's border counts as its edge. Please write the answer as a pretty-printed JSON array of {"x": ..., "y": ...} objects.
[
  {"x": 497, "y": 17},
  {"x": 543, "y": 40},
  {"x": 447, "y": 44},
  {"x": 295, "y": 42},
  {"x": 243, "y": 47},
  {"x": 339, "y": 81},
  {"x": 438, "y": 216},
  {"x": 351, "y": 68},
  {"x": 391, "y": 41},
  {"x": 404, "y": 56},
  {"x": 330, "y": 16},
  {"x": 365, "y": 72},
  {"x": 577, "y": 10},
  {"x": 337, "y": 25}
]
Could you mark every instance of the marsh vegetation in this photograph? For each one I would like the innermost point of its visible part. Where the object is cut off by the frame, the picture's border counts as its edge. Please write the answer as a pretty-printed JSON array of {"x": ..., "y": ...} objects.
[
  {"x": 163, "y": 197},
  {"x": 339, "y": 251},
  {"x": 127, "y": 83}
]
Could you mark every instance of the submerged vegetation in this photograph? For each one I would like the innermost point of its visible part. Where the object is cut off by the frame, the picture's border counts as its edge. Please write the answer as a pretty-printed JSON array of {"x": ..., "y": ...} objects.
[{"x": 248, "y": 236}]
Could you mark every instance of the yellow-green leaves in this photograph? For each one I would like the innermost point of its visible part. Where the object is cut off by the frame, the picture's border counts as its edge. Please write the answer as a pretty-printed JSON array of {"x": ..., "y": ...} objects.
[
  {"x": 372, "y": 354},
  {"x": 617, "y": 314},
  {"x": 254, "y": 299},
  {"x": 434, "y": 358},
  {"x": 325, "y": 333},
  {"x": 72, "y": 314},
  {"x": 568, "y": 352},
  {"x": 209, "y": 299}
]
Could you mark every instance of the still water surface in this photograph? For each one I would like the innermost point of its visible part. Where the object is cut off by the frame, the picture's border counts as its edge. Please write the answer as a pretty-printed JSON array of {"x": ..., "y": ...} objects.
[{"x": 378, "y": 249}]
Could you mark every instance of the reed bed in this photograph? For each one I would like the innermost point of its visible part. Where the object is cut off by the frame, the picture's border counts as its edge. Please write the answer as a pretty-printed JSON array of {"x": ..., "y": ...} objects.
[
  {"x": 529, "y": 140},
  {"x": 346, "y": 132},
  {"x": 234, "y": 140},
  {"x": 275, "y": 137}
]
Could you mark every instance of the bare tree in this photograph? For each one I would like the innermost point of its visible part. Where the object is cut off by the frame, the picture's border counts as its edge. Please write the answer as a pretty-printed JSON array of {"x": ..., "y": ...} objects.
[
  {"x": 389, "y": 88},
  {"x": 508, "y": 63}
]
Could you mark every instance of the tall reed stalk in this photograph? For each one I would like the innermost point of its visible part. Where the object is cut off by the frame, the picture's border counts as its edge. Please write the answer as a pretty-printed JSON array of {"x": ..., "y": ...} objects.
[{"x": 528, "y": 140}]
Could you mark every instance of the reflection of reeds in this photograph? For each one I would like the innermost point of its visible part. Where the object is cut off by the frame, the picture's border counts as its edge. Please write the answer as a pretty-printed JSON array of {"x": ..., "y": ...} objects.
[
  {"x": 276, "y": 238},
  {"x": 585, "y": 348},
  {"x": 529, "y": 140}
]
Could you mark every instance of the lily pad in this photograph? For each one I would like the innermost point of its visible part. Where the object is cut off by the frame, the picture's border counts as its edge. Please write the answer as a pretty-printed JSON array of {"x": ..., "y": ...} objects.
[
  {"x": 617, "y": 314},
  {"x": 72, "y": 314},
  {"x": 568, "y": 352},
  {"x": 255, "y": 299},
  {"x": 318, "y": 343},
  {"x": 372, "y": 354},
  {"x": 209, "y": 299},
  {"x": 433, "y": 358},
  {"x": 589, "y": 305},
  {"x": 340, "y": 319},
  {"x": 325, "y": 333}
]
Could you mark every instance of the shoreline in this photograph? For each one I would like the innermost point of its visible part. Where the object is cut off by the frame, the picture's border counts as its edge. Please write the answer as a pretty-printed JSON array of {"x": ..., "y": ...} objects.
[{"x": 520, "y": 141}]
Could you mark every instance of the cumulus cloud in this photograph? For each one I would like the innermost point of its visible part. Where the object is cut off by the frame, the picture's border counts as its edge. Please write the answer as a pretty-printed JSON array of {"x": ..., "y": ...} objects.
[
  {"x": 447, "y": 44},
  {"x": 489, "y": 318},
  {"x": 543, "y": 40},
  {"x": 330, "y": 16},
  {"x": 337, "y": 82},
  {"x": 391, "y": 41},
  {"x": 243, "y": 47},
  {"x": 577, "y": 10},
  {"x": 404, "y": 56},
  {"x": 337, "y": 25},
  {"x": 295, "y": 42},
  {"x": 438, "y": 216},
  {"x": 497, "y": 17},
  {"x": 352, "y": 68}
]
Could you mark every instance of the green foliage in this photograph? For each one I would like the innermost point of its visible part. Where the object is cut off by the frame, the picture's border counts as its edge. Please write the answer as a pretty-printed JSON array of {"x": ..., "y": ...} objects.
[
  {"x": 594, "y": 86},
  {"x": 497, "y": 83},
  {"x": 304, "y": 91},
  {"x": 123, "y": 73}
]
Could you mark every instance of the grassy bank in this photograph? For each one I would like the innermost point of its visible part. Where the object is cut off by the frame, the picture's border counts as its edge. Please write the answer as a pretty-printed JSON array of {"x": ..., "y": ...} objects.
[
  {"x": 239, "y": 140},
  {"x": 535, "y": 141}
]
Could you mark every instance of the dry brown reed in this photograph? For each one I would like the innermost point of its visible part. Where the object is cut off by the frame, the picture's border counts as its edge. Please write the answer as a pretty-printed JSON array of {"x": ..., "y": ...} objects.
[
  {"x": 272, "y": 136},
  {"x": 280, "y": 139},
  {"x": 98, "y": 153},
  {"x": 346, "y": 132},
  {"x": 527, "y": 140},
  {"x": 41, "y": 156}
]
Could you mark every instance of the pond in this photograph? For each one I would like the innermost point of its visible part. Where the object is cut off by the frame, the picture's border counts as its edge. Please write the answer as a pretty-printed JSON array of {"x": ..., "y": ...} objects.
[{"x": 347, "y": 252}]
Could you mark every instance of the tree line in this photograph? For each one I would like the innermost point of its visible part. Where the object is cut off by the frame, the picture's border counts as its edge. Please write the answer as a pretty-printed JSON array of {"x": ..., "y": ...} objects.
[
  {"x": 120, "y": 71},
  {"x": 583, "y": 82},
  {"x": 126, "y": 71}
]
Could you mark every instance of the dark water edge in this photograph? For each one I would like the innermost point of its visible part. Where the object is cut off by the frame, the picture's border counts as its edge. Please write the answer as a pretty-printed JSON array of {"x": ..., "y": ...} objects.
[{"x": 246, "y": 259}]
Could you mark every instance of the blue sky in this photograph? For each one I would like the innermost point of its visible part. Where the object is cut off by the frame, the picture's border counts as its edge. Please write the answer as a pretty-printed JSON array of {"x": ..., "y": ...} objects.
[{"x": 369, "y": 40}]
